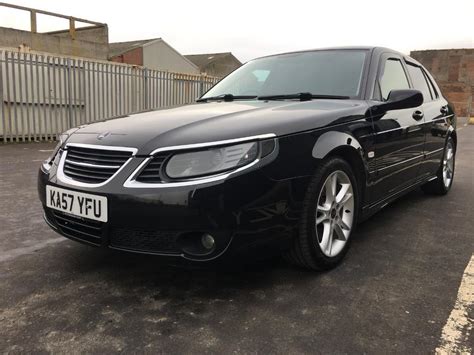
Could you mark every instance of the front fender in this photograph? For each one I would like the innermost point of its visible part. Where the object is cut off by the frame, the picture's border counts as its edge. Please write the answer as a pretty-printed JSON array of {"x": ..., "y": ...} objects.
[{"x": 329, "y": 141}]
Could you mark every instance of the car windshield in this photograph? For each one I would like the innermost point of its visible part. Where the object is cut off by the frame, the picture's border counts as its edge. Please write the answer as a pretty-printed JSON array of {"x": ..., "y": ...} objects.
[{"x": 324, "y": 72}]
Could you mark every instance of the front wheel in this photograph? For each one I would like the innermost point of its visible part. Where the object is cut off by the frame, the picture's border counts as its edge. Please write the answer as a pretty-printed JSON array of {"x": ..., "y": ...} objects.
[
  {"x": 329, "y": 217},
  {"x": 445, "y": 175}
]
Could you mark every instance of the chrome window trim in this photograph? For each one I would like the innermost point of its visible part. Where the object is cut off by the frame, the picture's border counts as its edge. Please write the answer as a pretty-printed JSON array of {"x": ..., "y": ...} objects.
[
  {"x": 132, "y": 183},
  {"x": 67, "y": 180}
]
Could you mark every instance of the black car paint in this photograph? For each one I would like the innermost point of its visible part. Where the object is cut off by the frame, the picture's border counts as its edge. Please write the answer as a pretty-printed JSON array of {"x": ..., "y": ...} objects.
[
  {"x": 217, "y": 121},
  {"x": 262, "y": 205}
]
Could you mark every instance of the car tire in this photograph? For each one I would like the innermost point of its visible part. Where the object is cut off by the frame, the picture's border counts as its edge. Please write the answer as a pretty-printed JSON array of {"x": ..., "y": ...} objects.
[
  {"x": 445, "y": 174},
  {"x": 323, "y": 238}
]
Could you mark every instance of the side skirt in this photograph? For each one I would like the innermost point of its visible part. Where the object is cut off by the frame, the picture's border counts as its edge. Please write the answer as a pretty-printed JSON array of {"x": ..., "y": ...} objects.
[{"x": 370, "y": 210}]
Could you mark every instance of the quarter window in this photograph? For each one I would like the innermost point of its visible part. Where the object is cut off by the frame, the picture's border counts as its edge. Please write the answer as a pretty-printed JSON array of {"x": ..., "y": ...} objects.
[
  {"x": 419, "y": 81},
  {"x": 392, "y": 78},
  {"x": 434, "y": 92}
]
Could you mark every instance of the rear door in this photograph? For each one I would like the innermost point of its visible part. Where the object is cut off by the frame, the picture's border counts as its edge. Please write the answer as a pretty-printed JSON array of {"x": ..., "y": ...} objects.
[
  {"x": 399, "y": 137},
  {"x": 435, "y": 110}
]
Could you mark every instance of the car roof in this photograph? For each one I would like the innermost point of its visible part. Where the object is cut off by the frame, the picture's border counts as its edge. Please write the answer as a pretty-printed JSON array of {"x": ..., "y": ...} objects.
[
  {"x": 366, "y": 48},
  {"x": 376, "y": 49}
]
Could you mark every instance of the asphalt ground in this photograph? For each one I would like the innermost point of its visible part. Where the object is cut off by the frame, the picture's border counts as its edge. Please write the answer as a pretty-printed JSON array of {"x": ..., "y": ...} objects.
[{"x": 397, "y": 291}]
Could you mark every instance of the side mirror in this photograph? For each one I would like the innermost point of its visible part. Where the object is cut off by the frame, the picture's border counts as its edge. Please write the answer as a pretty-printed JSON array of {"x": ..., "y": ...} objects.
[{"x": 401, "y": 99}]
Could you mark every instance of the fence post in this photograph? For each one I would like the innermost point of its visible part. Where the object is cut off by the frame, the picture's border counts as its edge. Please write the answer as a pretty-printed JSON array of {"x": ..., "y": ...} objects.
[
  {"x": 134, "y": 89},
  {"x": 69, "y": 93},
  {"x": 201, "y": 85},
  {"x": 145, "y": 87},
  {"x": 4, "y": 126}
]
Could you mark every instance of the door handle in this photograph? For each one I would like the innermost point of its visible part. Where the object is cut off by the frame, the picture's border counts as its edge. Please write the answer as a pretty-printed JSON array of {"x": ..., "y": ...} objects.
[
  {"x": 444, "y": 110},
  {"x": 417, "y": 115}
]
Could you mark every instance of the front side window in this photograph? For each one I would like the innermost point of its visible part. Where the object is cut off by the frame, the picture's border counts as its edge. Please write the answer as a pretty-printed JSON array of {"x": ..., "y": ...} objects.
[
  {"x": 325, "y": 72},
  {"x": 392, "y": 78},
  {"x": 419, "y": 81}
]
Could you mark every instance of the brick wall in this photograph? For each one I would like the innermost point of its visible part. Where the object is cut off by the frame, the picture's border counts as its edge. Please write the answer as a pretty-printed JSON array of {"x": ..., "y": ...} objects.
[
  {"x": 134, "y": 56},
  {"x": 453, "y": 70}
]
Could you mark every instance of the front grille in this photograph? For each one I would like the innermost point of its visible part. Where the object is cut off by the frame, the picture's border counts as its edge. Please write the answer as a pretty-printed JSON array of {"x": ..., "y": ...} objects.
[
  {"x": 93, "y": 166},
  {"x": 153, "y": 172},
  {"x": 79, "y": 228},
  {"x": 145, "y": 240}
]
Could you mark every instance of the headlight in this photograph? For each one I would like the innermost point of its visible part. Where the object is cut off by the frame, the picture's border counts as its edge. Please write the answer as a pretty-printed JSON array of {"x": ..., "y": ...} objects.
[{"x": 211, "y": 161}]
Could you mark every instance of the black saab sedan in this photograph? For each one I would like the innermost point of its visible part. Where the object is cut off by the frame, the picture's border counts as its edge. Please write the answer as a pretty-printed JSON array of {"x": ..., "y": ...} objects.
[{"x": 288, "y": 152}]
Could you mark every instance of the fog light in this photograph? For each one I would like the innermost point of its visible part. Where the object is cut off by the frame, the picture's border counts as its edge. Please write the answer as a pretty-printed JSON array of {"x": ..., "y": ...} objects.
[{"x": 208, "y": 241}]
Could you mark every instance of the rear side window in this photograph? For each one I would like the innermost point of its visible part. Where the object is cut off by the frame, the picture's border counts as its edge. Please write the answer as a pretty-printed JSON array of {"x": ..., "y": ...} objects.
[
  {"x": 434, "y": 92},
  {"x": 419, "y": 81},
  {"x": 392, "y": 78}
]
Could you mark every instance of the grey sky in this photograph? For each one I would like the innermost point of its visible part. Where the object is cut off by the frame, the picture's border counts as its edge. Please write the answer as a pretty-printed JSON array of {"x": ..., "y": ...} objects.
[{"x": 254, "y": 28}]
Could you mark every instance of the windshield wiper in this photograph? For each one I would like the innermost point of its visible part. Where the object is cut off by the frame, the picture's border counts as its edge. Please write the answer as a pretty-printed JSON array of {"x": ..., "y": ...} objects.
[
  {"x": 302, "y": 96},
  {"x": 227, "y": 97}
]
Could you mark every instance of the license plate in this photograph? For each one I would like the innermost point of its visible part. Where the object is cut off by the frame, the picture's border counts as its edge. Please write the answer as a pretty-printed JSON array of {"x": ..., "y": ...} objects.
[{"x": 77, "y": 203}]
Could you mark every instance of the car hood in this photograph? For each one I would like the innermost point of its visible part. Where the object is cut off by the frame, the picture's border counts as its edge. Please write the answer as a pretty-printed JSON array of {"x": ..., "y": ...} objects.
[{"x": 215, "y": 121}]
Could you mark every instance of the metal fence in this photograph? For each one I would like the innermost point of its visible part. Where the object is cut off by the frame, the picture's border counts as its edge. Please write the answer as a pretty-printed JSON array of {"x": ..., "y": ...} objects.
[{"x": 45, "y": 95}]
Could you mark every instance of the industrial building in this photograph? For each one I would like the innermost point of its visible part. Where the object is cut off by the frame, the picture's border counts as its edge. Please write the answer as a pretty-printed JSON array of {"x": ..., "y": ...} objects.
[{"x": 153, "y": 54}]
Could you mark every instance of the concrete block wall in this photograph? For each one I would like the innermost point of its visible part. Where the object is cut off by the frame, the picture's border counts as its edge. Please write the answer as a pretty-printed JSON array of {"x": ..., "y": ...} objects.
[
  {"x": 94, "y": 34},
  {"x": 453, "y": 70},
  {"x": 57, "y": 44}
]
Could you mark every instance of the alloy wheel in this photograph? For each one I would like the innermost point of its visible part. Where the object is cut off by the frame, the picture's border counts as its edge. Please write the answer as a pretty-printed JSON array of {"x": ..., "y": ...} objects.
[
  {"x": 335, "y": 213},
  {"x": 448, "y": 164}
]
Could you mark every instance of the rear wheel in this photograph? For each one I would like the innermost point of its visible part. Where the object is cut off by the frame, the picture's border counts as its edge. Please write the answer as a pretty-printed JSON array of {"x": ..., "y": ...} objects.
[
  {"x": 329, "y": 217},
  {"x": 444, "y": 177}
]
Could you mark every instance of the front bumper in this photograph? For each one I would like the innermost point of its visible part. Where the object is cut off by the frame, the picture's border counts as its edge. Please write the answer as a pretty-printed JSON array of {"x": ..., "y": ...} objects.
[{"x": 241, "y": 213}]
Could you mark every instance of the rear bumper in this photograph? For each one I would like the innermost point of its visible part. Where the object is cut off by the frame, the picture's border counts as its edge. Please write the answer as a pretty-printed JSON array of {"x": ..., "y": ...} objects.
[{"x": 242, "y": 213}]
